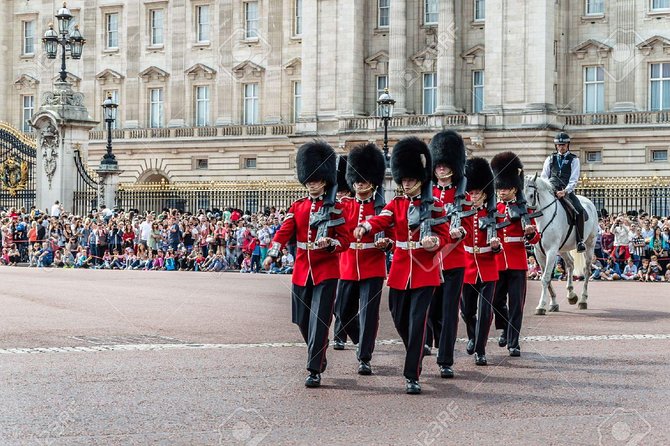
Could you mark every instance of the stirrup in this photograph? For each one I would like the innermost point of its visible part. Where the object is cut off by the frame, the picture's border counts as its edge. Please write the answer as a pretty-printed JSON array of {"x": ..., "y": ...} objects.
[{"x": 581, "y": 247}]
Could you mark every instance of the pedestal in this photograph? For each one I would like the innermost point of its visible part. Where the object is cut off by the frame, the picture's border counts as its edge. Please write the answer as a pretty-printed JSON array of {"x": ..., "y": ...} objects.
[{"x": 108, "y": 183}]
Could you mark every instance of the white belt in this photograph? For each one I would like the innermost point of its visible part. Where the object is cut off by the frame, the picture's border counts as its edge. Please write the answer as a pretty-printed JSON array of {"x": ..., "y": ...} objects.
[
  {"x": 477, "y": 249},
  {"x": 409, "y": 245},
  {"x": 359, "y": 245},
  {"x": 309, "y": 246},
  {"x": 513, "y": 239}
]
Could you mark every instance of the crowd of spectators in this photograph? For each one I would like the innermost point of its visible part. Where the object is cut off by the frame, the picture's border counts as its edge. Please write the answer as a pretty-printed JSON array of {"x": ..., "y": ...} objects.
[{"x": 208, "y": 240}]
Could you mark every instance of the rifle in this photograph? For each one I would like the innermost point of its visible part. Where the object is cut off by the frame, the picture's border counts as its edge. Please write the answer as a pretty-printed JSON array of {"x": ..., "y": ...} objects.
[{"x": 320, "y": 220}]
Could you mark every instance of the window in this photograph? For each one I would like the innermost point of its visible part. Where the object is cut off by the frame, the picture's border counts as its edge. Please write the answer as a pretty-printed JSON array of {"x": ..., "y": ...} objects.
[
  {"x": 297, "y": 100},
  {"x": 431, "y": 12},
  {"x": 156, "y": 18},
  {"x": 480, "y": 10},
  {"x": 382, "y": 84},
  {"x": 595, "y": 7},
  {"x": 115, "y": 98},
  {"x": 660, "y": 4},
  {"x": 202, "y": 23},
  {"x": 594, "y": 89},
  {"x": 594, "y": 156},
  {"x": 29, "y": 37},
  {"x": 250, "y": 104},
  {"x": 477, "y": 91},
  {"x": 659, "y": 155},
  {"x": 429, "y": 93},
  {"x": 156, "y": 107},
  {"x": 297, "y": 18},
  {"x": 112, "y": 29},
  {"x": 383, "y": 17},
  {"x": 659, "y": 87},
  {"x": 201, "y": 164},
  {"x": 28, "y": 107},
  {"x": 201, "y": 106},
  {"x": 251, "y": 20},
  {"x": 249, "y": 163}
]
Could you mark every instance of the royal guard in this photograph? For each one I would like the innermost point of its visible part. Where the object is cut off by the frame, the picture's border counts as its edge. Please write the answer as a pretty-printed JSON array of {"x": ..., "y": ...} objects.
[
  {"x": 481, "y": 245},
  {"x": 448, "y": 153},
  {"x": 517, "y": 228},
  {"x": 318, "y": 226},
  {"x": 343, "y": 190},
  {"x": 420, "y": 230},
  {"x": 363, "y": 265}
]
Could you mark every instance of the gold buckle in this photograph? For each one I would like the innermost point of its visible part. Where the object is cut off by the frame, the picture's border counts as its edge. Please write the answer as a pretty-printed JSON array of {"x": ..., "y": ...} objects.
[
  {"x": 310, "y": 246},
  {"x": 411, "y": 245},
  {"x": 506, "y": 239},
  {"x": 475, "y": 249},
  {"x": 359, "y": 245}
]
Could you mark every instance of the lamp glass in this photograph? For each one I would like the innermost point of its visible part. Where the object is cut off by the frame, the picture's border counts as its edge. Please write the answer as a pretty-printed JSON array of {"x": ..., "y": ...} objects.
[
  {"x": 109, "y": 107},
  {"x": 64, "y": 19}
]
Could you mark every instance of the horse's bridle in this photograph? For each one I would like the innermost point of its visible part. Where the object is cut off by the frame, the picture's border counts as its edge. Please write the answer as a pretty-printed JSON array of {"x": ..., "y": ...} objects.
[{"x": 535, "y": 201}]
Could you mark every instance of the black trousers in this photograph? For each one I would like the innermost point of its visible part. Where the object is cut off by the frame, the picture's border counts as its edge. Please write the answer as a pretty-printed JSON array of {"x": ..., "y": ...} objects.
[
  {"x": 444, "y": 314},
  {"x": 511, "y": 286},
  {"x": 477, "y": 312},
  {"x": 360, "y": 325},
  {"x": 312, "y": 310},
  {"x": 340, "y": 333},
  {"x": 409, "y": 309}
]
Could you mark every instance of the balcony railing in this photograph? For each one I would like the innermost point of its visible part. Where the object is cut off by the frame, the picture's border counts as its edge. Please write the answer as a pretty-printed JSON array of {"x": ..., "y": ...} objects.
[
  {"x": 195, "y": 132},
  {"x": 618, "y": 119}
]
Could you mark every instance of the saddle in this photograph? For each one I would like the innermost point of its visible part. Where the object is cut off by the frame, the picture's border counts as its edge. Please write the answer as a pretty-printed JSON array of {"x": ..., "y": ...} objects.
[{"x": 570, "y": 211}]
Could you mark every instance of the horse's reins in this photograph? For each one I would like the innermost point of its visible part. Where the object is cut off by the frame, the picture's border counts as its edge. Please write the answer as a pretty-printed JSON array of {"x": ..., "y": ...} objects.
[{"x": 536, "y": 200}]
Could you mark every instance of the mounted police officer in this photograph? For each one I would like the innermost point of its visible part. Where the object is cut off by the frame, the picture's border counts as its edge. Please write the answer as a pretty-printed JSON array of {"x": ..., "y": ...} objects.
[{"x": 562, "y": 170}]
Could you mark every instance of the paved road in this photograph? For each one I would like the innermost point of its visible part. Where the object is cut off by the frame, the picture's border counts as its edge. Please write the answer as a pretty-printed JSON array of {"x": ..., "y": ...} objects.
[{"x": 115, "y": 357}]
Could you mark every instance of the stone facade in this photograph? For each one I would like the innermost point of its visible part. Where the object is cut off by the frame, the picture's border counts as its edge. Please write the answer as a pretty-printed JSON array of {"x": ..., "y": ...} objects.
[{"x": 224, "y": 97}]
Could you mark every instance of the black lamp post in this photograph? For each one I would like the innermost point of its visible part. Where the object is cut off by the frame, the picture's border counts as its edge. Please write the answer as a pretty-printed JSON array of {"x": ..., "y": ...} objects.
[
  {"x": 109, "y": 108},
  {"x": 71, "y": 42},
  {"x": 385, "y": 110}
]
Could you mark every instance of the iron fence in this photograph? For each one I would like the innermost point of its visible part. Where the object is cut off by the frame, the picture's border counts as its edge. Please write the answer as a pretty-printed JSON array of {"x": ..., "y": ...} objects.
[{"x": 649, "y": 194}]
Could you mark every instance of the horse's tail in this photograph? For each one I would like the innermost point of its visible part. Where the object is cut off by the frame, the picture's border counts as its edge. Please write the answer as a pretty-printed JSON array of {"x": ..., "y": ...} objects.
[{"x": 579, "y": 261}]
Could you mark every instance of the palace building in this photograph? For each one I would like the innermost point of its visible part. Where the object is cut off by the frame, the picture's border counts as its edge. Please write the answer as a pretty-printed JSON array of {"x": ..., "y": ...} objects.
[{"x": 225, "y": 90}]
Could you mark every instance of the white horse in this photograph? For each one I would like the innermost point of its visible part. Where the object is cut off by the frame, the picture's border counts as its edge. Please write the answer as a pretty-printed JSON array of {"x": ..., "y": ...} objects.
[{"x": 559, "y": 239}]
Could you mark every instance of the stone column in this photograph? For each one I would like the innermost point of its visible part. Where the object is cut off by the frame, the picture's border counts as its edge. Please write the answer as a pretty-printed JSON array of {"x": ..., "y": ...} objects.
[
  {"x": 623, "y": 58},
  {"x": 272, "y": 108},
  {"x": 350, "y": 54},
  {"x": 400, "y": 78},
  {"x": 310, "y": 60},
  {"x": 62, "y": 123},
  {"x": 539, "y": 58},
  {"x": 494, "y": 37},
  {"x": 446, "y": 59},
  {"x": 108, "y": 182}
]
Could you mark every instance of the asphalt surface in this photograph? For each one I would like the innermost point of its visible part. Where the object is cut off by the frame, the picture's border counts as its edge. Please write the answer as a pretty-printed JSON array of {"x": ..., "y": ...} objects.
[{"x": 133, "y": 357}]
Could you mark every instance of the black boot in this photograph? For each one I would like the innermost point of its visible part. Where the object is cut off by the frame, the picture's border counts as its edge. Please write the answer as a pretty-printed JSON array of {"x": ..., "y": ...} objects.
[{"x": 580, "y": 233}]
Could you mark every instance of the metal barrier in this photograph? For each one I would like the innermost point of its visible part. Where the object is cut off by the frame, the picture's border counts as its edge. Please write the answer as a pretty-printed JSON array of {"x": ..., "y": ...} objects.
[
  {"x": 650, "y": 194},
  {"x": 190, "y": 197}
]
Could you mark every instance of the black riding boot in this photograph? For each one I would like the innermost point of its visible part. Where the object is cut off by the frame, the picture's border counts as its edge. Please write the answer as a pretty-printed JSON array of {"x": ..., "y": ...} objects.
[{"x": 580, "y": 233}]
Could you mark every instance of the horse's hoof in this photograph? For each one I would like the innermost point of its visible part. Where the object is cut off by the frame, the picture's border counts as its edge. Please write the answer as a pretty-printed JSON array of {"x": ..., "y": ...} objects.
[
  {"x": 553, "y": 309},
  {"x": 540, "y": 311},
  {"x": 572, "y": 300},
  {"x": 582, "y": 306}
]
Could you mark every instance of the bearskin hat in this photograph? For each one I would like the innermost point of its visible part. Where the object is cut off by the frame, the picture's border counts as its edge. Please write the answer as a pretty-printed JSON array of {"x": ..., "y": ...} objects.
[
  {"x": 508, "y": 171},
  {"x": 447, "y": 147},
  {"x": 366, "y": 163},
  {"x": 410, "y": 158},
  {"x": 479, "y": 175},
  {"x": 316, "y": 160},
  {"x": 342, "y": 185}
]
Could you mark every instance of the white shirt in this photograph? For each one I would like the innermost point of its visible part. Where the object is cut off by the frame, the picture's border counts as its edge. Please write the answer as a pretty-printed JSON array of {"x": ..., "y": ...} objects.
[
  {"x": 55, "y": 210},
  {"x": 145, "y": 230},
  {"x": 574, "y": 172}
]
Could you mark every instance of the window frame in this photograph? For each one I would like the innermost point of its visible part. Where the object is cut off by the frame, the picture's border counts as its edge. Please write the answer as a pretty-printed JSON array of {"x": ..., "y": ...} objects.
[
  {"x": 652, "y": 155},
  {"x": 251, "y": 33},
  {"x": 588, "y": 3},
  {"x": 255, "y": 102},
  {"x": 432, "y": 91},
  {"x": 479, "y": 14},
  {"x": 297, "y": 18},
  {"x": 387, "y": 7},
  {"x": 599, "y": 108},
  {"x": 197, "y": 164},
  {"x": 198, "y": 120},
  {"x": 475, "y": 89},
  {"x": 152, "y": 28},
  {"x": 246, "y": 162},
  {"x": 598, "y": 155},
  {"x": 109, "y": 33},
  {"x": 202, "y": 29},
  {"x": 662, "y": 81},
  {"x": 25, "y": 126},
  {"x": 161, "y": 107},
  {"x": 25, "y": 38},
  {"x": 297, "y": 100},
  {"x": 658, "y": 9},
  {"x": 436, "y": 13}
]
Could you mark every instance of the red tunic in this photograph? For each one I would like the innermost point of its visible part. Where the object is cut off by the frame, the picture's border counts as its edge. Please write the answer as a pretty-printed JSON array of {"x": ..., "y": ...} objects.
[
  {"x": 513, "y": 255},
  {"x": 454, "y": 256},
  {"x": 362, "y": 260},
  {"x": 478, "y": 264},
  {"x": 416, "y": 267},
  {"x": 320, "y": 264}
]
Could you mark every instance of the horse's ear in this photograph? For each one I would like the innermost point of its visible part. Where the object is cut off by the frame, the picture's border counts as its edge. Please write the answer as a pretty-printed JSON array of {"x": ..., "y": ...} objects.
[{"x": 535, "y": 177}]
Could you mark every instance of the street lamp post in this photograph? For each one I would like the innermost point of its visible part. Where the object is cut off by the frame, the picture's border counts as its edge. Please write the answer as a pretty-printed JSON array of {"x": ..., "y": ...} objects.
[
  {"x": 70, "y": 42},
  {"x": 109, "y": 108},
  {"x": 385, "y": 109}
]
